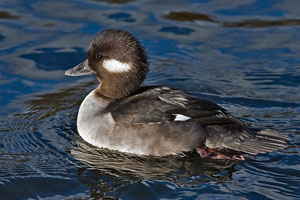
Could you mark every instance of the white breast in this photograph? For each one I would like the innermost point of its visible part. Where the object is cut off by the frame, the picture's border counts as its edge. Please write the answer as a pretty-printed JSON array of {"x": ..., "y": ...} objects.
[{"x": 94, "y": 127}]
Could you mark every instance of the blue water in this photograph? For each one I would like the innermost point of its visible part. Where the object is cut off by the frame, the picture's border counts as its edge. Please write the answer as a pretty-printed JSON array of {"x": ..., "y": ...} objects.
[{"x": 243, "y": 55}]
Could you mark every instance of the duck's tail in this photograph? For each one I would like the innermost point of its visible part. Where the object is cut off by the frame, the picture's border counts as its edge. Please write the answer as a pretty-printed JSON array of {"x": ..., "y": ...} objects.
[
  {"x": 233, "y": 141},
  {"x": 266, "y": 140}
]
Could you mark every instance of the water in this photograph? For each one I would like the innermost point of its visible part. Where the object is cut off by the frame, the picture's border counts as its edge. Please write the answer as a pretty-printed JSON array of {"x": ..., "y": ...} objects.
[{"x": 243, "y": 55}]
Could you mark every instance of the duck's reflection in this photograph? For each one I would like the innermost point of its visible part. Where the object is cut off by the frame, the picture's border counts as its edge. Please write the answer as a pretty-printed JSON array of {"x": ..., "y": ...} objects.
[{"x": 130, "y": 167}]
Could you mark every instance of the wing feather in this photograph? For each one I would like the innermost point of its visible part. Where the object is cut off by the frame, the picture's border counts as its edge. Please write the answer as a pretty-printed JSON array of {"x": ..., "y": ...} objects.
[{"x": 162, "y": 104}]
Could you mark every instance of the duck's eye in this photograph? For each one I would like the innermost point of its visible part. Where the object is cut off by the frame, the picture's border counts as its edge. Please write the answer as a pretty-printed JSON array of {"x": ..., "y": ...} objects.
[{"x": 99, "y": 56}]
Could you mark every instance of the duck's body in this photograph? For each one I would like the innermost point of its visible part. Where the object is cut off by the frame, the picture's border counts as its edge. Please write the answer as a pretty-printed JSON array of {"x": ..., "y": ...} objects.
[
  {"x": 156, "y": 121},
  {"x": 139, "y": 124}
]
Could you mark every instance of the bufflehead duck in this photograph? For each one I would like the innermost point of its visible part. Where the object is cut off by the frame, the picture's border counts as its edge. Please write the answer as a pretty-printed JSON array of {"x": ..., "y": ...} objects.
[{"x": 159, "y": 121}]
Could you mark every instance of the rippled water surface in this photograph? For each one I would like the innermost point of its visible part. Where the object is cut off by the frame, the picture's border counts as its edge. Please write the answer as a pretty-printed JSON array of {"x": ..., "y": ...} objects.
[{"x": 244, "y": 55}]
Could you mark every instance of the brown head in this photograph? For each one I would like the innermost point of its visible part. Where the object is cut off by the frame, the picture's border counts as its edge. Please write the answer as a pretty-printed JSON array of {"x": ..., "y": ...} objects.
[{"x": 119, "y": 62}]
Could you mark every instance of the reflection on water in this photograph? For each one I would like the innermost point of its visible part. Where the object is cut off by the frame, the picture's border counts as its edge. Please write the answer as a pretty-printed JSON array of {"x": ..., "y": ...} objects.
[
  {"x": 52, "y": 59},
  {"x": 125, "y": 17},
  {"x": 243, "y": 55},
  {"x": 133, "y": 167},
  {"x": 115, "y": 1},
  {"x": 188, "y": 16},
  {"x": 250, "y": 23},
  {"x": 257, "y": 23},
  {"x": 7, "y": 15},
  {"x": 176, "y": 30}
]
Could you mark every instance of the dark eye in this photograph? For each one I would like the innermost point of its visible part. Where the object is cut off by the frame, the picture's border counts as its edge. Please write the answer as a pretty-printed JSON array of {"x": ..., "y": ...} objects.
[{"x": 99, "y": 56}]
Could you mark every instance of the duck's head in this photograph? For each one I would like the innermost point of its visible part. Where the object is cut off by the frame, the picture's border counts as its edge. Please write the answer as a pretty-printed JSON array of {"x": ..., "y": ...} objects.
[{"x": 119, "y": 62}]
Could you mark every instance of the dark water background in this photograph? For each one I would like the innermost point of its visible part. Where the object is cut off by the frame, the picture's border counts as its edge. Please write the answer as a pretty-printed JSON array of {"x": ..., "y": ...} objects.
[{"x": 244, "y": 55}]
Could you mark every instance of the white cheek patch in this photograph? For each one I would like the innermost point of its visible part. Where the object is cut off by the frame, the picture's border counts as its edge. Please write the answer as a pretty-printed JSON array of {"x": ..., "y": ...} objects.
[
  {"x": 180, "y": 117},
  {"x": 113, "y": 65}
]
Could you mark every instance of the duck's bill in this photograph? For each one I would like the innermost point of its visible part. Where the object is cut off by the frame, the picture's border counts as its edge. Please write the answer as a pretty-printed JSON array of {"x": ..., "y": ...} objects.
[{"x": 79, "y": 70}]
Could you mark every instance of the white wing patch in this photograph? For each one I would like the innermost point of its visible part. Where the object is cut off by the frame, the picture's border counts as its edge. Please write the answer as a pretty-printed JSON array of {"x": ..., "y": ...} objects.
[
  {"x": 113, "y": 65},
  {"x": 180, "y": 117}
]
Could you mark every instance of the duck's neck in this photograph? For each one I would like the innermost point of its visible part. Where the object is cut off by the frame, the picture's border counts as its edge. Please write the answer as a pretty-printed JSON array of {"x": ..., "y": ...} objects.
[{"x": 117, "y": 90}]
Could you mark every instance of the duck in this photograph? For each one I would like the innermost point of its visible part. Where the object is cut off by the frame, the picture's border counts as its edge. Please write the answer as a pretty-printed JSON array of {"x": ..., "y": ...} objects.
[{"x": 121, "y": 115}]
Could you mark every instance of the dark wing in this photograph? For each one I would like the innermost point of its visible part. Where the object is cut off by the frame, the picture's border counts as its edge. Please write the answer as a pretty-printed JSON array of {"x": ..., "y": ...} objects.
[{"x": 161, "y": 104}]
